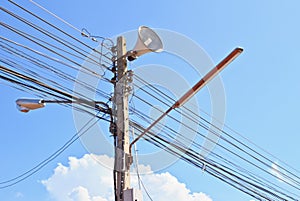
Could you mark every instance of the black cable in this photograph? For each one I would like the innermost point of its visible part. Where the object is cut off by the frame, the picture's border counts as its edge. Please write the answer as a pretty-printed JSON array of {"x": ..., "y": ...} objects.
[
  {"x": 186, "y": 149},
  {"x": 72, "y": 98},
  {"x": 51, "y": 35},
  {"x": 45, "y": 47},
  {"x": 60, "y": 49},
  {"x": 257, "y": 178},
  {"x": 147, "y": 117},
  {"x": 160, "y": 145},
  {"x": 50, "y": 68},
  {"x": 221, "y": 137},
  {"x": 171, "y": 100},
  {"x": 53, "y": 26},
  {"x": 42, "y": 164},
  {"x": 30, "y": 87},
  {"x": 228, "y": 150},
  {"x": 51, "y": 58},
  {"x": 183, "y": 150},
  {"x": 144, "y": 187}
]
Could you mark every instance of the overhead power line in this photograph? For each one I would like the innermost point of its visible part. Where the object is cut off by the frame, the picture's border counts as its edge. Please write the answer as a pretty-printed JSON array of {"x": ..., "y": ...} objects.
[
  {"x": 85, "y": 128},
  {"x": 53, "y": 26},
  {"x": 206, "y": 124},
  {"x": 289, "y": 179}
]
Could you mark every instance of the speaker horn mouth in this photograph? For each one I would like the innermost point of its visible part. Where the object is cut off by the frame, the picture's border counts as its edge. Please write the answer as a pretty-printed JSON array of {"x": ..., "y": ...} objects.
[{"x": 148, "y": 41}]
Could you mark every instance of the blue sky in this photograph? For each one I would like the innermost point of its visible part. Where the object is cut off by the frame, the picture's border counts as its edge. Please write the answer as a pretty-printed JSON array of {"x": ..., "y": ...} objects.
[{"x": 262, "y": 86}]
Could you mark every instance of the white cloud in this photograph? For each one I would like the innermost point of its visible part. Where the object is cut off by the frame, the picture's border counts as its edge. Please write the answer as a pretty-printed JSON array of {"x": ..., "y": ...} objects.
[
  {"x": 79, "y": 194},
  {"x": 164, "y": 186},
  {"x": 81, "y": 176},
  {"x": 85, "y": 179}
]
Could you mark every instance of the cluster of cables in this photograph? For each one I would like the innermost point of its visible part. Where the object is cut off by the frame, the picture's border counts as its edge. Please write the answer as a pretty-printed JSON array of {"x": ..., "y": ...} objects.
[
  {"x": 235, "y": 159},
  {"x": 51, "y": 74},
  {"x": 46, "y": 63}
]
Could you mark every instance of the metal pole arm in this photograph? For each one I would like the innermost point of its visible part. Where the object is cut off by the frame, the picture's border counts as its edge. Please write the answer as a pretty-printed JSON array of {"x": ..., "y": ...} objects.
[
  {"x": 209, "y": 76},
  {"x": 190, "y": 93}
]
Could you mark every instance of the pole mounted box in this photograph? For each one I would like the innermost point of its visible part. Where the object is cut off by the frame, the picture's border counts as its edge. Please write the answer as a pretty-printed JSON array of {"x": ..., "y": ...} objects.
[{"x": 133, "y": 195}]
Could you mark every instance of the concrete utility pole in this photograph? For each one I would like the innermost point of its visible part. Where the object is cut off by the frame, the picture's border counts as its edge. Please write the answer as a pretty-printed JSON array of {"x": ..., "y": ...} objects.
[
  {"x": 148, "y": 41},
  {"x": 122, "y": 156}
]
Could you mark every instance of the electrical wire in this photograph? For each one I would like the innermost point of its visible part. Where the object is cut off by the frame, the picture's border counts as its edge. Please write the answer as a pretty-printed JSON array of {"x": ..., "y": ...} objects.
[
  {"x": 83, "y": 31},
  {"x": 227, "y": 134},
  {"x": 86, "y": 103},
  {"x": 50, "y": 68},
  {"x": 53, "y": 156},
  {"x": 136, "y": 163},
  {"x": 33, "y": 84},
  {"x": 206, "y": 164},
  {"x": 55, "y": 59},
  {"x": 46, "y": 10},
  {"x": 196, "y": 145},
  {"x": 143, "y": 97},
  {"x": 53, "y": 26},
  {"x": 45, "y": 47},
  {"x": 171, "y": 100},
  {"x": 145, "y": 189},
  {"x": 235, "y": 154},
  {"x": 140, "y": 181},
  {"x": 56, "y": 38},
  {"x": 62, "y": 41}
]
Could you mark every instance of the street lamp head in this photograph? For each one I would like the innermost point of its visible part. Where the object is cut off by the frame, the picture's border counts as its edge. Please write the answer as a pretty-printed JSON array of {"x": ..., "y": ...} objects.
[
  {"x": 26, "y": 104},
  {"x": 148, "y": 41}
]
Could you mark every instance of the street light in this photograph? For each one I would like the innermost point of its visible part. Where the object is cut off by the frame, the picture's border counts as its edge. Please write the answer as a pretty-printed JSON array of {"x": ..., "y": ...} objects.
[{"x": 27, "y": 104}]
